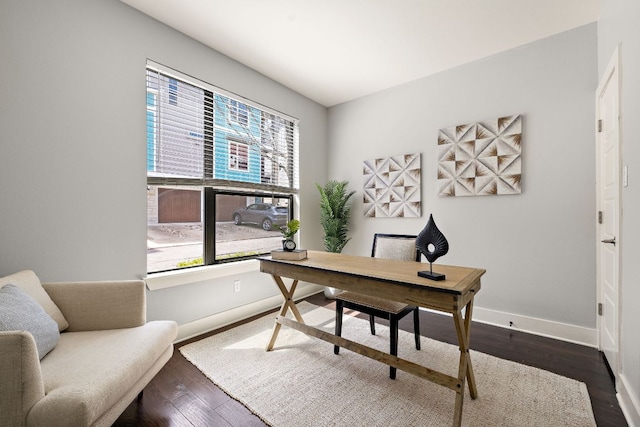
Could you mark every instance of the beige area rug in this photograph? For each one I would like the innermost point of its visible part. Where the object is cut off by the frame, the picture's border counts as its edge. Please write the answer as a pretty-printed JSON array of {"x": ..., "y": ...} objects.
[{"x": 302, "y": 383}]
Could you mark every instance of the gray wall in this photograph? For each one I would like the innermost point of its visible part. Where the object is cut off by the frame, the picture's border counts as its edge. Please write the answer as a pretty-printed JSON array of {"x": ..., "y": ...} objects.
[
  {"x": 537, "y": 247},
  {"x": 618, "y": 26},
  {"x": 72, "y": 145}
]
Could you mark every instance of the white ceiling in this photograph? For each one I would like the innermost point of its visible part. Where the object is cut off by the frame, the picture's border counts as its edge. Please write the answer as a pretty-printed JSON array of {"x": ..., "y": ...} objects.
[{"x": 333, "y": 51}]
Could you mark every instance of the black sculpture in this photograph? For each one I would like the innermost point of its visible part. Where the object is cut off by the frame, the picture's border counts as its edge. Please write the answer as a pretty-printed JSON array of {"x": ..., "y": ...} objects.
[{"x": 432, "y": 244}]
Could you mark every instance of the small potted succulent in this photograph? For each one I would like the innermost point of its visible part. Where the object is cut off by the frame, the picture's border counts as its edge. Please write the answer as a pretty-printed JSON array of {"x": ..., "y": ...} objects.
[{"x": 288, "y": 232}]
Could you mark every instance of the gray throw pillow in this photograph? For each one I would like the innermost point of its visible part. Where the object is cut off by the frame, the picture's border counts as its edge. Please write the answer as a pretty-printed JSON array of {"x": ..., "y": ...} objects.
[{"x": 20, "y": 312}]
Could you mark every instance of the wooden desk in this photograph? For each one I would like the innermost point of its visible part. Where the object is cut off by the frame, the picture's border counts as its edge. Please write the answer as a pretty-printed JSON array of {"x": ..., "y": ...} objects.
[{"x": 394, "y": 280}]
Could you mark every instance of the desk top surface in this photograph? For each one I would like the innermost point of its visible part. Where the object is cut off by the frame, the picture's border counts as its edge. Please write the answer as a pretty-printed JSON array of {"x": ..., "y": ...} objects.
[{"x": 459, "y": 280}]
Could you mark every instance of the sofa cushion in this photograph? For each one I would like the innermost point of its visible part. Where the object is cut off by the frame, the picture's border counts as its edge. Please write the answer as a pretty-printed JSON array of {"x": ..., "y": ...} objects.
[
  {"x": 88, "y": 372},
  {"x": 29, "y": 282},
  {"x": 20, "y": 312}
]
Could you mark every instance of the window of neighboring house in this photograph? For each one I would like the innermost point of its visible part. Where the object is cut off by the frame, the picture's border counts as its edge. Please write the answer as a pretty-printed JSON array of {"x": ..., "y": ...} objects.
[
  {"x": 221, "y": 173},
  {"x": 238, "y": 112},
  {"x": 238, "y": 156}
]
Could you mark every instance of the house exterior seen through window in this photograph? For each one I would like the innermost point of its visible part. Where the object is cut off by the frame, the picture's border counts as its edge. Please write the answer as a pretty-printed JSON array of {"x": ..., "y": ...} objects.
[{"x": 221, "y": 173}]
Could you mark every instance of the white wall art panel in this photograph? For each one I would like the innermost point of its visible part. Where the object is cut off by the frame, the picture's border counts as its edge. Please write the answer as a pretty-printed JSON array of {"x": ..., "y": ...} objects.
[
  {"x": 480, "y": 159},
  {"x": 392, "y": 187}
]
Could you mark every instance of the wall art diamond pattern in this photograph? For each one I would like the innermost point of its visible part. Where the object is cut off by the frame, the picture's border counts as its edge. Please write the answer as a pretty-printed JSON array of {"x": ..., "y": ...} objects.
[
  {"x": 392, "y": 186},
  {"x": 480, "y": 159}
]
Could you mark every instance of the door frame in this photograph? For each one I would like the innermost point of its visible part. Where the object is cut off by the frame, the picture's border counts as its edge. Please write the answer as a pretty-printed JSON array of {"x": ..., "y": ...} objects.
[{"x": 613, "y": 67}]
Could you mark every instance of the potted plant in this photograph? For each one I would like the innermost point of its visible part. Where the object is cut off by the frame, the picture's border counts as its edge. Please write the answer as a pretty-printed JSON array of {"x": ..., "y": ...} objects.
[
  {"x": 334, "y": 218},
  {"x": 288, "y": 232}
]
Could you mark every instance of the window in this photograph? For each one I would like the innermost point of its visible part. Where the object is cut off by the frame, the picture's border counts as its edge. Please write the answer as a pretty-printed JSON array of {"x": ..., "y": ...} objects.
[
  {"x": 221, "y": 173},
  {"x": 247, "y": 223},
  {"x": 238, "y": 156},
  {"x": 238, "y": 112}
]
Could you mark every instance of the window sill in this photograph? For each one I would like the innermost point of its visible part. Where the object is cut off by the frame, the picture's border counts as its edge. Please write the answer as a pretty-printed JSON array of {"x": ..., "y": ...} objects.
[{"x": 171, "y": 279}]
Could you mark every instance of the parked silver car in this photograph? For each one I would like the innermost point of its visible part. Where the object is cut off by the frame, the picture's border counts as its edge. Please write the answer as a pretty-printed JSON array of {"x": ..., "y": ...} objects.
[{"x": 263, "y": 214}]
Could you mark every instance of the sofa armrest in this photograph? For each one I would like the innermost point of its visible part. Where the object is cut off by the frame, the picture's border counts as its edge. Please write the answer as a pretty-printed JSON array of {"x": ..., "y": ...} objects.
[
  {"x": 21, "y": 385},
  {"x": 91, "y": 306}
]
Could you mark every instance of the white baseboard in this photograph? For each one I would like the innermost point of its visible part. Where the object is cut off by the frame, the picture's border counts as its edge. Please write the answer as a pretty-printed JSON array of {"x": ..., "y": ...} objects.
[
  {"x": 219, "y": 320},
  {"x": 532, "y": 325},
  {"x": 629, "y": 402}
]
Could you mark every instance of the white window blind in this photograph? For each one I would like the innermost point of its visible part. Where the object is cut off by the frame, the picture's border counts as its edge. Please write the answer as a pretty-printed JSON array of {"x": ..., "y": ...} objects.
[{"x": 198, "y": 134}]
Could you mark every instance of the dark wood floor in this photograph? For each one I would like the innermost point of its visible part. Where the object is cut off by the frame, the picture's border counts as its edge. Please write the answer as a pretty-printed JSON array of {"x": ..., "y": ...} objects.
[{"x": 180, "y": 395}]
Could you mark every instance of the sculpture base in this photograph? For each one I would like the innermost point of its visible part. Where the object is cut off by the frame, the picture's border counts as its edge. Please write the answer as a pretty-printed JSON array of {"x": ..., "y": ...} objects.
[{"x": 433, "y": 276}]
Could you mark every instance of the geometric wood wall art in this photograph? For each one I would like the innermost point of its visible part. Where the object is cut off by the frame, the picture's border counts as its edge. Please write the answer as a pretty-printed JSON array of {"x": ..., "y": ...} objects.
[
  {"x": 392, "y": 187},
  {"x": 481, "y": 158}
]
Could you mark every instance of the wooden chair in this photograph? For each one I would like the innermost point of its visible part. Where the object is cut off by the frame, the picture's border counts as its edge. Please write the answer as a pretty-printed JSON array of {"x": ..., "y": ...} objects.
[{"x": 391, "y": 246}]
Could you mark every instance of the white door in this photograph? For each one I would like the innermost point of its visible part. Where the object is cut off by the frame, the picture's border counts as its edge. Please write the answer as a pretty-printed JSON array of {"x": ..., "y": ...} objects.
[{"x": 608, "y": 201}]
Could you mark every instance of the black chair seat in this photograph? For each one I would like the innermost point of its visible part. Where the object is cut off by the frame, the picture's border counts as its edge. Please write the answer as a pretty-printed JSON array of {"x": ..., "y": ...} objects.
[{"x": 374, "y": 303}]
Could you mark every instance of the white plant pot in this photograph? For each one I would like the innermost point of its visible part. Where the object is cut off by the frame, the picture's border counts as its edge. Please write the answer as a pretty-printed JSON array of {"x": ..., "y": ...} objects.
[{"x": 331, "y": 292}]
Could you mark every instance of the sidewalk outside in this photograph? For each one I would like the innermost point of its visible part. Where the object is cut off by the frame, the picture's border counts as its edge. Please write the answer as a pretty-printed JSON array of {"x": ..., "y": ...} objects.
[{"x": 168, "y": 244}]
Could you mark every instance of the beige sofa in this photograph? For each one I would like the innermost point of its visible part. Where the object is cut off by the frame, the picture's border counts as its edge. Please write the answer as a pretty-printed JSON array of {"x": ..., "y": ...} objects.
[{"x": 105, "y": 356}]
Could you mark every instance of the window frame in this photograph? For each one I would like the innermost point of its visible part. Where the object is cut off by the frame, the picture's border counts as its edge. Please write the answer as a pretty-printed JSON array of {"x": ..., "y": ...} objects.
[{"x": 210, "y": 198}]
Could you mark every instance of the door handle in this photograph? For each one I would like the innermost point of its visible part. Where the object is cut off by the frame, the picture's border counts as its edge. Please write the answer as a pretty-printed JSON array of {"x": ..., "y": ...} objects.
[{"x": 612, "y": 241}]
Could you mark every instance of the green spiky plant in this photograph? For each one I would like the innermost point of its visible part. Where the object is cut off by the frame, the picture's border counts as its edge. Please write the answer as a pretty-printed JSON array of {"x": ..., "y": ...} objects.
[{"x": 335, "y": 214}]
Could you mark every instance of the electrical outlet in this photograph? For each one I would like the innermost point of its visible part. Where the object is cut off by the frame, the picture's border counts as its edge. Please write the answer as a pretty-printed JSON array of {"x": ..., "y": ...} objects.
[{"x": 236, "y": 286}]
